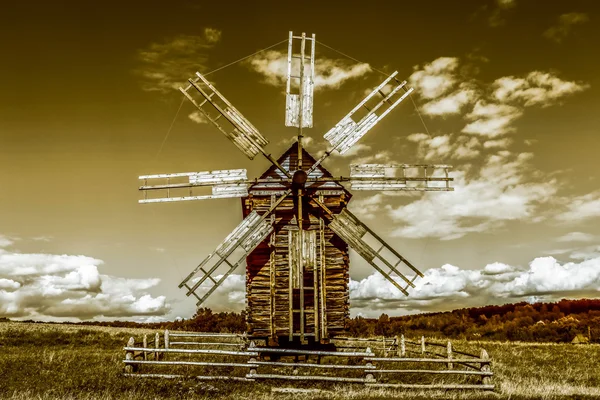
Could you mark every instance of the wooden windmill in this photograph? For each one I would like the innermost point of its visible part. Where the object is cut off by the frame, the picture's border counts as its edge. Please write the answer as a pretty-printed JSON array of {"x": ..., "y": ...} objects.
[{"x": 296, "y": 230}]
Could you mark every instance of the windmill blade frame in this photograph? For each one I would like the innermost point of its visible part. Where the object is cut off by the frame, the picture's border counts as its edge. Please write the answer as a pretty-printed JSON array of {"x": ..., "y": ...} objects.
[{"x": 246, "y": 236}]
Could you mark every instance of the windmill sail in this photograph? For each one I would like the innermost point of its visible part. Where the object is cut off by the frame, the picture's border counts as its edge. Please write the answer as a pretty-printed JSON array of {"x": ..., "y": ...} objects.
[
  {"x": 352, "y": 231},
  {"x": 232, "y": 252},
  {"x": 300, "y": 68},
  {"x": 347, "y": 132},
  {"x": 184, "y": 186},
  {"x": 236, "y": 127},
  {"x": 400, "y": 177}
]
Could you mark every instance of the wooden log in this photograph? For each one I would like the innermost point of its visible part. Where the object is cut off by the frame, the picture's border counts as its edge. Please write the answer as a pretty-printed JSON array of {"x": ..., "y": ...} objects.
[
  {"x": 402, "y": 347},
  {"x": 156, "y": 345},
  {"x": 433, "y": 371},
  {"x": 145, "y": 345},
  {"x": 486, "y": 380},
  {"x": 422, "y": 344},
  {"x": 431, "y": 386},
  {"x": 206, "y": 335},
  {"x": 167, "y": 339},
  {"x": 449, "y": 351},
  {"x": 367, "y": 353},
  {"x": 205, "y": 378},
  {"x": 196, "y": 363},
  {"x": 129, "y": 355},
  {"x": 197, "y": 351},
  {"x": 428, "y": 360},
  {"x": 311, "y": 365},
  {"x": 306, "y": 378}
]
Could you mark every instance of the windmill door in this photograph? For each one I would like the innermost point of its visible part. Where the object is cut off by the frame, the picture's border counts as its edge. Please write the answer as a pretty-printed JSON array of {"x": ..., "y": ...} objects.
[{"x": 306, "y": 314}]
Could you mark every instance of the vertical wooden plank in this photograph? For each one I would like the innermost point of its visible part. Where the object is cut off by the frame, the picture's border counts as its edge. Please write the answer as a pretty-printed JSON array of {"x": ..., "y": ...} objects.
[
  {"x": 291, "y": 254},
  {"x": 422, "y": 344},
  {"x": 402, "y": 346},
  {"x": 315, "y": 267},
  {"x": 300, "y": 266},
  {"x": 145, "y": 345},
  {"x": 449, "y": 351},
  {"x": 323, "y": 291},
  {"x": 486, "y": 380},
  {"x": 156, "y": 345},
  {"x": 167, "y": 343},
  {"x": 129, "y": 368},
  {"x": 272, "y": 271}
]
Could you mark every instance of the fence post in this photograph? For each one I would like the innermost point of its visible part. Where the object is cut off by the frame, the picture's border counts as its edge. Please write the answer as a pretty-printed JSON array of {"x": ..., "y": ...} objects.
[
  {"x": 167, "y": 343},
  {"x": 384, "y": 348},
  {"x": 422, "y": 344},
  {"x": 129, "y": 368},
  {"x": 145, "y": 342},
  {"x": 369, "y": 378},
  {"x": 397, "y": 343},
  {"x": 402, "y": 346},
  {"x": 156, "y": 345},
  {"x": 449, "y": 349},
  {"x": 486, "y": 380}
]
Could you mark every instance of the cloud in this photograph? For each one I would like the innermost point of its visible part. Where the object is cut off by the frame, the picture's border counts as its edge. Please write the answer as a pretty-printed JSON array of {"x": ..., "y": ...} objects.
[
  {"x": 46, "y": 286},
  {"x": 367, "y": 207},
  {"x": 491, "y": 119},
  {"x": 445, "y": 147},
  {"x": 198, "y": 117},
  {"x": 436, "y": 78},
  {"x": 212, "y": 35},
  {"x": 537, "y": 88},
  {"x": 354, "y": 150},
  {"x": 497, "y": 143},
  {"x": 329, "y": 73},
  {"x": 230, "y": 296},
  {"x": 498, "y": 14},
  {"x": 449, "y": 287},
  {"x": 5, "y": 241},
  {"x": 565, "y": 24},
  {"x": 167, "y": 65},
  {"x": 580, "y": 208},
  {"x": 576, "y": 237},
  {"x": 452, "y": 103},
  {"x": 481, "y": 201}
]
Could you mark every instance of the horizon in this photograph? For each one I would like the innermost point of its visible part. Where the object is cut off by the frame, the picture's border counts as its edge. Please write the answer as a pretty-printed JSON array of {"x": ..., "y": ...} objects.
[{"x": 506, "y": 90}]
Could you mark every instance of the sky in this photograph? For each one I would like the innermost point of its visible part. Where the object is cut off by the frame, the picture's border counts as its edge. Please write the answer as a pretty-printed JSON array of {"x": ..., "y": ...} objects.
[{"x": 508, "y": 92}]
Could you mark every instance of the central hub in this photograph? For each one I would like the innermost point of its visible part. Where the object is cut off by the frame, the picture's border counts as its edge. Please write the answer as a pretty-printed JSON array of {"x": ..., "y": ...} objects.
[{"x": 299, "y": 180}]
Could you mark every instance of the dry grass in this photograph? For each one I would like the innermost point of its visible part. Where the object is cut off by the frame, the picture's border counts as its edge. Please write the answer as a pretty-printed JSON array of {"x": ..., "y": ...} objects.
[{"x": 39, "y": 361}]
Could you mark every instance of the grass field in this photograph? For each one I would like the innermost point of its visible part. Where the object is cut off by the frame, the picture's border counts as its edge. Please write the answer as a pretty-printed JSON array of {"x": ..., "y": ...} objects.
[{"x": 43, "y": 361}]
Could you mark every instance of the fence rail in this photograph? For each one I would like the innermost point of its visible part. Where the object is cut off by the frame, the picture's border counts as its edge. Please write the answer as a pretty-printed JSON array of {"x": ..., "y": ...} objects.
[{"x": 375, "y": 362}]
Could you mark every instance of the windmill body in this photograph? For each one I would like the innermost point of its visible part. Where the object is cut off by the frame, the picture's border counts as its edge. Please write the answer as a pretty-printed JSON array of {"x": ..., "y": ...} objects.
[{"x": 296, "y": 232}]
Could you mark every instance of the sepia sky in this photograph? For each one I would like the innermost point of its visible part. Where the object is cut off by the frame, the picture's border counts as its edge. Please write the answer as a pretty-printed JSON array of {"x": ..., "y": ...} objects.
[{"x": 509, "y": 91}]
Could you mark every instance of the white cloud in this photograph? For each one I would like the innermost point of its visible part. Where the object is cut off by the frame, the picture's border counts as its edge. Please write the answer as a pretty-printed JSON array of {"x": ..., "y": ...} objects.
[
  {"x": 452, "y": 103},
  {"x": 497, "y": 143},
  {"x": 167, "y": 65},
  {"x": 212, "y": 35},
  {"x": 6, "y": 241},
  {"x": 436, "y": 78},
  {"x": 576, "y": 237},
  {"x": 489, "y": 119},
  {"x": 198, "y": 117},
  {"x": 581, "y": 208},
  {"x": 537, "y": 88},
  {"x": 450, "y": 287},
  {"x": 445, "y": 147},
  {"x": 565, "y": 24},
  {"x": 46, "y": 286},
  {"x": 496, "y": 194},
  {"x": 229, "y": 296},
  {"x": 354, "y": 150},
  {"x": 367, "y": 207},
  {"x": 329, "y": 73}
]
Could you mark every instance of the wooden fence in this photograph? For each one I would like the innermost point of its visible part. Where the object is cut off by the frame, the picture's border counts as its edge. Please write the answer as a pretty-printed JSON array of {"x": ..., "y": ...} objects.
[{"x": 379, "y": 362}]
